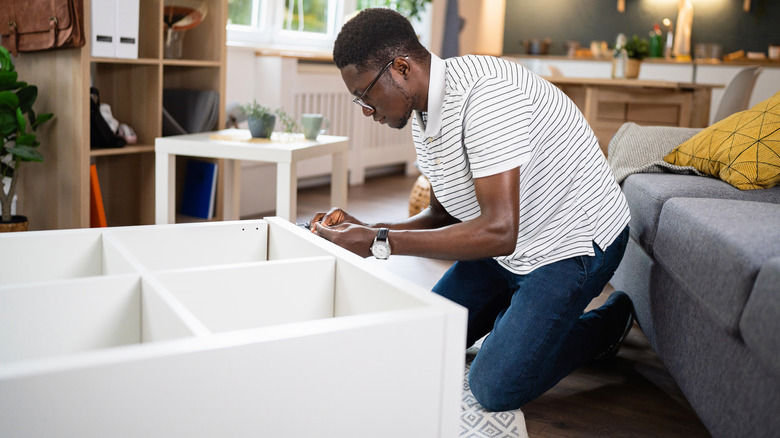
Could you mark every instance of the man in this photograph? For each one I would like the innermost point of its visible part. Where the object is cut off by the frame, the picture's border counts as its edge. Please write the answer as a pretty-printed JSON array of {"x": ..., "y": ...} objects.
[{"x": 522, "y": 199}]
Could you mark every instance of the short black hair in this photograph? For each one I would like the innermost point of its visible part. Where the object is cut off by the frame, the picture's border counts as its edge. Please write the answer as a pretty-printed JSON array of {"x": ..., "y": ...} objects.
[{"x": 374, "y": 37}]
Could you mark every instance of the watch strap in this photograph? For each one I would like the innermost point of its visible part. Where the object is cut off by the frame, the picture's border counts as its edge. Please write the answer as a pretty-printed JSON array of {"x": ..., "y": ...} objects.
[{"x": 382, "y": 234}]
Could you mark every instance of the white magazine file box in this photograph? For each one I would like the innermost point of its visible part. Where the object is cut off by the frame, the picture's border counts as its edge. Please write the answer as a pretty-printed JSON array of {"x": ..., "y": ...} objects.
[{"x": 104, "y": 27}]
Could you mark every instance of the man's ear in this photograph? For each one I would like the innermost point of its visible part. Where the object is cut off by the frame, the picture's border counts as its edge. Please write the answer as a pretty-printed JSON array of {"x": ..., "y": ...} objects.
[{"x": 403, "y": 67}]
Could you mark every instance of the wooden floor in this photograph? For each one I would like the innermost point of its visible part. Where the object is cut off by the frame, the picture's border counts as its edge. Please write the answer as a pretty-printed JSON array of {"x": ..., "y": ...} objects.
[{"x": 632, "y": 397}]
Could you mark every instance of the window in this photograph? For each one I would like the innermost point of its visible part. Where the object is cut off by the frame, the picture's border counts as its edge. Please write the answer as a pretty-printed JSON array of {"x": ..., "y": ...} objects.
[
  {"x": 241, "y": 13},
  {"x": 304, "y": 23},
  {"x": 307, "y": 23}
]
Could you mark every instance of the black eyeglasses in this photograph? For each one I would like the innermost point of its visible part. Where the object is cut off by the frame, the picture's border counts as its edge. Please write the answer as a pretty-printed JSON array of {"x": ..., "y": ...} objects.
[{"x": 359, "y": 99}]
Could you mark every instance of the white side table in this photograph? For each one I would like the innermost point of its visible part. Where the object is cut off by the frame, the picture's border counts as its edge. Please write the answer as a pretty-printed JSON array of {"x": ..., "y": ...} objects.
[{"x": 234, "y": 145}]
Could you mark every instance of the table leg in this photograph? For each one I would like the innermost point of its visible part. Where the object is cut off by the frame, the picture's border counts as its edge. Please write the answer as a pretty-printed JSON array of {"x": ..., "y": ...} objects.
[
  {"x": 287, "y": 190},
  {"x": 700, "y": 108},
  {"x": 231, "y": 201},
  {"x": 165, "y": 188},
  {"x": 591, "y": 111},
  {"x": 338, "y": 180}
]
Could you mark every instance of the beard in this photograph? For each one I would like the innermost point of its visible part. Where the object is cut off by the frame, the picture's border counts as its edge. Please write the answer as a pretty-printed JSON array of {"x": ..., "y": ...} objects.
[{"x": 408, "y": 104}]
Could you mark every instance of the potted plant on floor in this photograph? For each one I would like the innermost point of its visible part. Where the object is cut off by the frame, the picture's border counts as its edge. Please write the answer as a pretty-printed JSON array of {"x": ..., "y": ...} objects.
[
  {"x": 19, "y": 145},
  {"x": 260, "y": 118},
  {"x": 637, "y": 50}
]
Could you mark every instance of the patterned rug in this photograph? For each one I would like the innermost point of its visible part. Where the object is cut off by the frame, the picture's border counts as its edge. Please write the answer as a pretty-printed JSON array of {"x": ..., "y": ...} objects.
[{"x": 476, "y": 422}]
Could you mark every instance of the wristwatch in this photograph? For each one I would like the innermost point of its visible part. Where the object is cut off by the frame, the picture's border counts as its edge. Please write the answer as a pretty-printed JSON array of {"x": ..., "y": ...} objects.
[{"x": 381, "y": 246}]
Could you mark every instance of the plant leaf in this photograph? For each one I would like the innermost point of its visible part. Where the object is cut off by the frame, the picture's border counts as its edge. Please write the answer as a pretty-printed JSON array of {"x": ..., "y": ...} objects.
[
  {"x": 42, "y": 118},
  {"x": 6, "y": 64},
  {"x": 8, "y": 80},
  {"x": 26, "y": 153},
  {"x": 27, "y": 140},
  {"x": 27, "y": 96},
  {"x": 9, "y": 99},
  {"x": 8, "y": 123},
  {"x": 20, "y": 119}
]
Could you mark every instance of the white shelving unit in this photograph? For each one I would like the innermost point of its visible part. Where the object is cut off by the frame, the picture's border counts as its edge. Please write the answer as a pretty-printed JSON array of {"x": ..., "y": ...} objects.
[
  {"x": 55, "y": 194},
  {"x": 246, "y": 328}
]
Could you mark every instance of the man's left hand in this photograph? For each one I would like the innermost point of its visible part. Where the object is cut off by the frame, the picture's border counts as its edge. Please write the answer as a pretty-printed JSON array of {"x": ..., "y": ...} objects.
[{"x": 353, "y": 237}]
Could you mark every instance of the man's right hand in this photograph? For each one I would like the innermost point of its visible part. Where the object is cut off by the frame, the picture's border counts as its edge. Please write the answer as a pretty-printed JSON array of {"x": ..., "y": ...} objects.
[{"x": 335, "y": 216}]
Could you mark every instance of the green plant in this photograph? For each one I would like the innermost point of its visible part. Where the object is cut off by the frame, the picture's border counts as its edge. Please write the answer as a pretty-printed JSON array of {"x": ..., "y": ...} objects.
[
  {"x": 256, "y": 110},
  {"x": 409, "y": 8},
  {"x": 16, "y": 101},
  {"x": 288, "y": 122},
  {"x": 637, "y": 48}
]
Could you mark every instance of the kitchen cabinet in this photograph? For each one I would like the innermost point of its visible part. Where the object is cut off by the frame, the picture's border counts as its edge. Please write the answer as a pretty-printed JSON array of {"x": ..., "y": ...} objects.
[{"x": 55, "y": 194}]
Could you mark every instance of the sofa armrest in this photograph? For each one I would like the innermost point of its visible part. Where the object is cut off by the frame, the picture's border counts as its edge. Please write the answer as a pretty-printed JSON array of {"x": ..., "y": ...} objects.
[{"x": 760, "y": 322}]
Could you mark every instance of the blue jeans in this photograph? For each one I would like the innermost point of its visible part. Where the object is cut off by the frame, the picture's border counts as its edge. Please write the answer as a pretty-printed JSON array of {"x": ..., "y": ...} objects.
[{"x": 538, "y": 331}]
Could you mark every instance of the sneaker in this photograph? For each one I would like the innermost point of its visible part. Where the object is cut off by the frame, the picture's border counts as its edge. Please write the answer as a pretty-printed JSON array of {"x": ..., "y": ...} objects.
[{"x": 618, "y": 298}]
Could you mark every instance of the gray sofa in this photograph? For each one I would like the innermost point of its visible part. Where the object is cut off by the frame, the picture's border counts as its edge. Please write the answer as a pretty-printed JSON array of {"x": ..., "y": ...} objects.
[{"x": 703, "y": 270}]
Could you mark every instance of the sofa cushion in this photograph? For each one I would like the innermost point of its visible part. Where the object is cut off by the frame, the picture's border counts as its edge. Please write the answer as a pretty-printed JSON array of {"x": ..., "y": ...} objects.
[
  {"x": 760, "y": 321},
  {"x": 743, "y": 149},
  {"x": 715, "y": 247},
  {"x": 646, "y": 194}
]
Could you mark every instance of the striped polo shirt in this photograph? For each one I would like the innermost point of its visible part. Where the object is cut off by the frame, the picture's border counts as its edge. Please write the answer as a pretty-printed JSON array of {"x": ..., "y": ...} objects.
[{"x": 487, "y": 115}]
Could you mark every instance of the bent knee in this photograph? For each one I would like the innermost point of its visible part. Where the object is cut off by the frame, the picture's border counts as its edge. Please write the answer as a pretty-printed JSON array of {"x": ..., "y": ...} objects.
[{"x": 496, "y": 394}]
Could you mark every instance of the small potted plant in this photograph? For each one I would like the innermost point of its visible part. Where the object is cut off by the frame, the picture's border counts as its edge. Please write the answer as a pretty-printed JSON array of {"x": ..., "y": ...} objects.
[
  {"x": 19, "y": 145},
  {"x": 637, "y": 50},
  {"x": 260, "y": 118}
]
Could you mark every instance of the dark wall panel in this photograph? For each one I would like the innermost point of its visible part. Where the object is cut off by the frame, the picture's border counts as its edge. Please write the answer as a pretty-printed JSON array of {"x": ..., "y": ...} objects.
[{"x": 714, "y": 21}]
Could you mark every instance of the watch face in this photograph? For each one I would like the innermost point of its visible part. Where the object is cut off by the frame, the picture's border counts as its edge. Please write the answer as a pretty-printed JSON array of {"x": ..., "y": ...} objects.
[{"x": 380, "y": 250}]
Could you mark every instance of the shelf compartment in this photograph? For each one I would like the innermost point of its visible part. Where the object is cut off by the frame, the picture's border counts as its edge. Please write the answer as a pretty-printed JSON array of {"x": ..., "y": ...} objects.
[
  {"x": 134, "y": 97},
  {"x": 42, "y": 321},
  {"x": 127, "y": 185},
  {"x": 203, "y": 42},
  {"x": 166, "y": 247},
  {"x": 256, "y": 295},
  {"x": 39, "y": 321},
  {"x": 59, "y": 255}
]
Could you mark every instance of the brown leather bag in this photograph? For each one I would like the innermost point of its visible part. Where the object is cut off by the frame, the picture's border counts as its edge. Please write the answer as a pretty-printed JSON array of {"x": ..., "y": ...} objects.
[{"x": 32, "y": 25}]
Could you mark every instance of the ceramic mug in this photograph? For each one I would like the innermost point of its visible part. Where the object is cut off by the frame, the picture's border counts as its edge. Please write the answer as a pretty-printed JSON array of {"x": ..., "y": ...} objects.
[{"x": 312, "y": 125}]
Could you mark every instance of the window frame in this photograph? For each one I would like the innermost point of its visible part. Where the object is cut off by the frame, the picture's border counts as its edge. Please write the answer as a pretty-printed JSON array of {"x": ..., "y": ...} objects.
[{"x": 268, "y": 21}]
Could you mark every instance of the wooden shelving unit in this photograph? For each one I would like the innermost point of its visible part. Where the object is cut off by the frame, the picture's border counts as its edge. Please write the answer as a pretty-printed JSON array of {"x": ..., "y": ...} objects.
[{"x": 55, "y": 194}]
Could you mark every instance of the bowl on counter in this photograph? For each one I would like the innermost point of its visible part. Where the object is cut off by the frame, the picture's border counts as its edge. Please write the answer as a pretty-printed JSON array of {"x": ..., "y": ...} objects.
[{"x": 536, "y": 46}]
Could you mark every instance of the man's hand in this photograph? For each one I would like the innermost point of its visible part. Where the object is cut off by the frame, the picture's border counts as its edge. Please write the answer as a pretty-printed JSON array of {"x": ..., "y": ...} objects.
[
  {"x": 353, "y": 237},
  {"x": 335, "y": 216}
]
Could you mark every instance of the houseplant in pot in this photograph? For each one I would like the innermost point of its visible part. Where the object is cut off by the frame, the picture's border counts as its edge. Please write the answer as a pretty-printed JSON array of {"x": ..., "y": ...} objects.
[
  {"x": 19, "y": 145},
  {"x": 260, "y": 118},
  {"x": 637, "y": 50}
]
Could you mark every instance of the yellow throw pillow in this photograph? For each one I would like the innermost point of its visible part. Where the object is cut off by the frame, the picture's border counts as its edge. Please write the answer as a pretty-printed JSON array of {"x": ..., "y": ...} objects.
[{"x": 743, "y": 149}]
